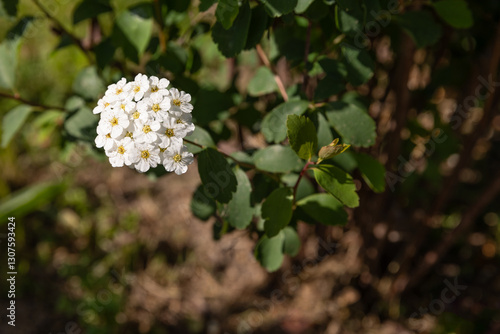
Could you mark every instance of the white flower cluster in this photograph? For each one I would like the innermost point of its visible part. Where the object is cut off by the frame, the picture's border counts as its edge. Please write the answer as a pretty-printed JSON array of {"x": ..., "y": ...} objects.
[{"x": 143, "y": 124}]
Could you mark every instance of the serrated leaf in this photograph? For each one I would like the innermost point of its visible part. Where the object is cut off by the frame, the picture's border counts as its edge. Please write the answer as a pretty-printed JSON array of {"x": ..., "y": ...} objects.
[
  {"x": 372, "y": 170},
  {"x": 269, "y": 252},
  {"x": 216, "y": 175},
  {"x": 202, "y": 205},
  {"x": 231, "y": 42},
  {"x": 226, "y": 12},
  {"x": 262, "y": 82},
  {"x": 338, "y": 183},
  {"x": 358, "y": 63},
  {"x": 302, "y": 136},
  {"x": 239, "y": 211},
  {"x": 455, "y": 12},
  {"x": 277, "y": 211},
  {"x": 291, "y": 244},
  {"x": 277, "y": 8},
  {"x": 12, "y": 122},
  {"x": 353, "y": 124},
  {"x": 136, "y": 24},
  {"x": 324, "y": 208},
  {"x": 89, "y": 9},
  {"x": 277, "y": 159},
  {"x": 274, "y": 123},
  {"x": 421, "y": 27}
]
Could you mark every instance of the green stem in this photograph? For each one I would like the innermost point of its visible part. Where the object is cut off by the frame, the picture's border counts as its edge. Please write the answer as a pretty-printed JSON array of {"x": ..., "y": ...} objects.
[{"x": 302, "y": 172}]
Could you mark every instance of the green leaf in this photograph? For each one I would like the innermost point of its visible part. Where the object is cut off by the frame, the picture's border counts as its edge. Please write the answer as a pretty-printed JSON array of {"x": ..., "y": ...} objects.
[
  {"x": 302, "y": 6},
  {"x": 421, "y": 27},
  {"x": 239, "y": 211},
  {"x": 338, "y": 183},
  {"x": 277, "y": 211},
  {"x": 325, "y": 136},
  {"x": 9, "y": 50},
  {"x": 90, "y": 8},
  {"x": 372, "y": 170},
  {"x": 349, "y": 20},
  {"x": 277, "y": 8},
  {"x": 269, "y": 252},
  {"x": 199, "y": 136},
  {"x": 28, "y": 199},
  {"x": 274, "y": 123},
  {"x": 305, "y": 187},
  {"x": 88, "y": 84},
  {"x": 206, "y": 4},
  {"x": 231, "y": 42},
  {"x": 454, "y": 12},
  {"x": 291, "y": 245},
  {"x": 302, "y": 136},
  {"x": 353, "y": 124},
  {"x": 216, "y": 175},
  {"x": 104, "y": 53},
  {"x": 277, "y": 159},
  {"x": 262, "y": 83},
  {"x": 259, "y": 22},
  {"x": 202, "y": 206},
  {"x": 137, "y": 25},
  {"x": 324, "y": 208},
  {"x": 81, "y": 125},
  {"x": 10, "y": 7},
  {"x": 358, "y": 63},
  {"x": 13, "y": 121},
  {"x": 226, "y": 12},
  {"x": 328, "y": 86}
]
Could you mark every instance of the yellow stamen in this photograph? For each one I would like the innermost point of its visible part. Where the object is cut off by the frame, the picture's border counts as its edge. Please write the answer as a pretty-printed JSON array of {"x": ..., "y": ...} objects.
[
  {"x": 179, "y": 121},
  {"x": 129, "y": 134},
  {"x": 137, "y": 89},
  {"x": 122, "y": 106},
  {"x": 114, "y": 121},
  {"x": 163, "y": 149},
  {"x": 121, "y": 150},
  {"x": 154, "y": 89},
  {"x": 145, "y": 154},
  {"x": 156, "y": 107},
  {"x": 177, "y": 102},
  {"x": 177, "y": 158},
  {"x": 169, "y": 133},
  {"x": 119, "y": 91},
  {"x": 136, "y": 115},
  {"x": 146, "y": 129},
  {"x": 108, "y": 135},
  {"x": 106, "y": 104}
]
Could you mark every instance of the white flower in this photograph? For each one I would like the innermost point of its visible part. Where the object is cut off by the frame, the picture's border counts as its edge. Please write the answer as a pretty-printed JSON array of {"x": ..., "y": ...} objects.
[
  {"x": 102, "y": 106},
  {"x": 184, "y": 120},
  {"x": 114, "y": 122},
  {"x": 139, "y": 86},
  {"x": 126, "y": 104},
  {"x": 148, "y": 157},
  {"x": 158, "y": 86},
  {"x": 180, "y": 101},
  {"x": 118, "y": 90},
  {"x": 159, "y": 106},
  {"x": 140, "y": 114},
  {"x": 104, "y": 139},
  {"x": 171, "y": 133},
  {"x": 177, "y": 159},
  {"x": 145, "y": 132},
  {"x": 124, "y": 153}
]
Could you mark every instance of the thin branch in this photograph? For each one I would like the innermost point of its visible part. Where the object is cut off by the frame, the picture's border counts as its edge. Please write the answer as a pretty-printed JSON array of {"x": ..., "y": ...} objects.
[
  {"x": 468, "y": 219},
  {"x": 61, "y": 28},
  {"x": 267, "y": 63},
  {"x": 302, "y": 172},
  {"x": 33, "y": 104}
]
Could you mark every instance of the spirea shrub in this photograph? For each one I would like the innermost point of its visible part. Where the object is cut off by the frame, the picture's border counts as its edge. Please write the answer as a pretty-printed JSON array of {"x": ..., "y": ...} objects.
[{"x": 143, "y": 124}]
